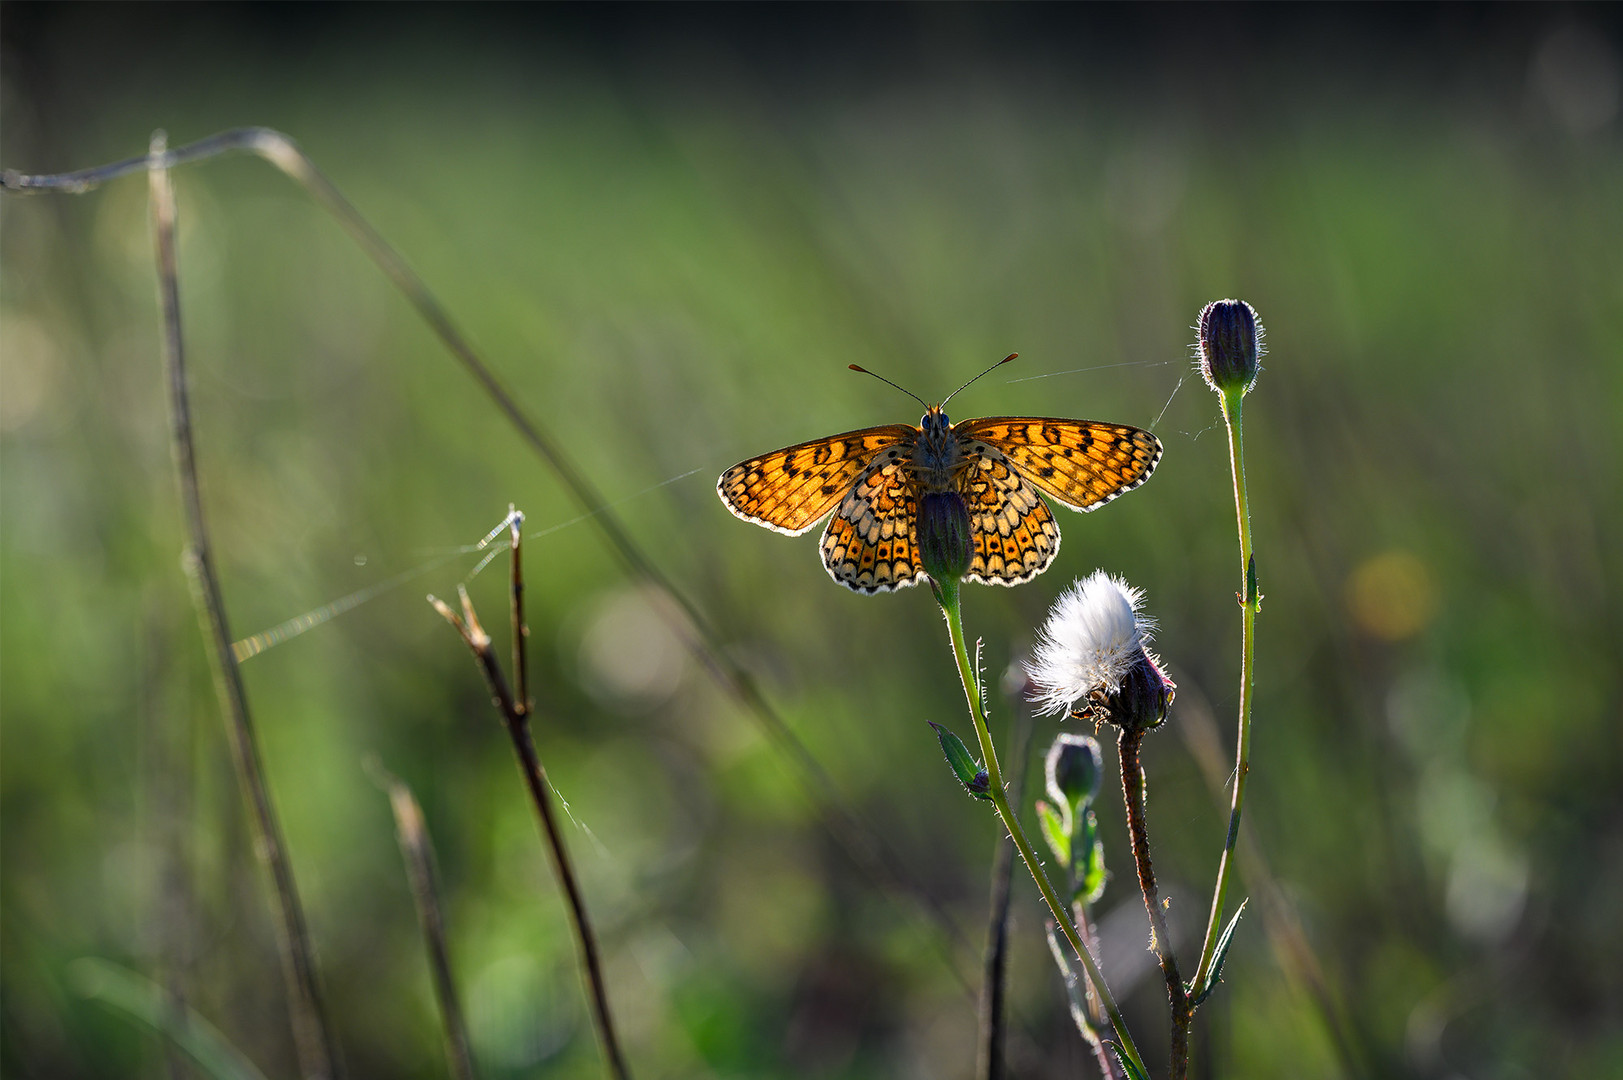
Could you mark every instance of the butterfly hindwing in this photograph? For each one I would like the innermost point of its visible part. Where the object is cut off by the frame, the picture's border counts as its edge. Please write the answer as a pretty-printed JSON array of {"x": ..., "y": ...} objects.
[
  {"x": 790, "y": 490},
  {"x": 1081, "y": 463},
  {"x": 871, "y": 542},
  {"x": 1013, "y": 533}
]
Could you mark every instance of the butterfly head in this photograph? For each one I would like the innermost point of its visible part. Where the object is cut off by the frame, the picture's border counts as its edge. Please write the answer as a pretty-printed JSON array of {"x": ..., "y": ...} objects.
[{"x": 934, "y": 421}]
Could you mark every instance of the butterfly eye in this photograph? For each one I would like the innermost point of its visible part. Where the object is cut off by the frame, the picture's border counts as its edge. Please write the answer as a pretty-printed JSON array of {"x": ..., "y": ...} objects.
[{"x": 945, "y": 422}]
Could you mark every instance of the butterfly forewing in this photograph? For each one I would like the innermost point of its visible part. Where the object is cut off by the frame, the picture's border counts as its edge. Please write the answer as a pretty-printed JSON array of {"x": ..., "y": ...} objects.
[
  {"x": 871, "y": 542},
  {"x": 790, "y": 490},
  {"x": 1082, "y": 463},
  {"x": 1013, "y": 534}
]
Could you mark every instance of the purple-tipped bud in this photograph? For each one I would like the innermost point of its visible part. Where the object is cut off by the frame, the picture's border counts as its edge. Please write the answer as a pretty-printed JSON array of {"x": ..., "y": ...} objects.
[
  {"x": 1074, "y": 768},
  {"x": 1230, "y": 346},
  {"x": 944, "y": 546}
]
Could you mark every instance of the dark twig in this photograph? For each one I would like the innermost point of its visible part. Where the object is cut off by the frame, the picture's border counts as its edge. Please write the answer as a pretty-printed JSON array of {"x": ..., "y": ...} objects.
[
  {"x": 995, "y": 965},
  {"x": 521, "y": 630},
  {"x": 865, "y": 846},
  {"x": 1132, "y": 789},
  {"x": 311, "y": 1033},
  {"x": 418, "y": 852},
  {"x": 535, "y": 778},
  {"x": 996, "y": 957}
]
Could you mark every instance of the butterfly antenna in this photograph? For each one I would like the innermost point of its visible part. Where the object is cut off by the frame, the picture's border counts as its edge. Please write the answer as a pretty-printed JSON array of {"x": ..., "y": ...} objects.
[
  {"x": 999, "y": 364},
  {"x": 881, "y": 378}
]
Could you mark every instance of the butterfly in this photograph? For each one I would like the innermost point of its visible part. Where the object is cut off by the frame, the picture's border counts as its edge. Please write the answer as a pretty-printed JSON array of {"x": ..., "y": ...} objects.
[{"x": 875, "y": 480}]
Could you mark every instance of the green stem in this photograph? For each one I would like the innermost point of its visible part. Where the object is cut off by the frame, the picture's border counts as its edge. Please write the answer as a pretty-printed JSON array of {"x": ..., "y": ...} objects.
[
  {"x": 947, "y": 593},
  {"x": 1250, "y": 600}
]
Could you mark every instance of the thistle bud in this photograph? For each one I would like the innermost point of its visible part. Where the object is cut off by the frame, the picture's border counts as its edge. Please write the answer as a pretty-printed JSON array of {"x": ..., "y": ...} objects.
[
  {"x": 944, "y": 535},
  {"x": 1074, "y": 767},
  {"x": 1230, "y": 346}
]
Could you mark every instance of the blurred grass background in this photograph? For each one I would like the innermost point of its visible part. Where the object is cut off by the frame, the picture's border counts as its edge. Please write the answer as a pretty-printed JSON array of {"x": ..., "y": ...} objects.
[{"x": 670, "y": 230}]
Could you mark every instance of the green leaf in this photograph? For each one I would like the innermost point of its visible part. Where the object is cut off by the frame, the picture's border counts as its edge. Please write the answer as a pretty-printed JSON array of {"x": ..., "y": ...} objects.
[
  {"x": 963, "y": 766},
  {"x": 1219, "y": 955},
  {"x": 143, "y": 1000},
  {"x": 1133, "y": 1071},
  {"x": 1054, "y": 831},
  {"x": 1090, "y": 875}
]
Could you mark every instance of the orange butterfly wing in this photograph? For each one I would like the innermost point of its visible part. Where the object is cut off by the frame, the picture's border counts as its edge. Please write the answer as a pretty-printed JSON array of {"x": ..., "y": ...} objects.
[
  {"x": 1012, "y": 532},
  {"x": 871, "y": 543},
  {"x": 790, "y": 490},
  {"x": 1081, "y": 463}
]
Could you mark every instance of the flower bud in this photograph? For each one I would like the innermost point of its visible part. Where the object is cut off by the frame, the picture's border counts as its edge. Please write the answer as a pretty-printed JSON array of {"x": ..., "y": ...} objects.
[
  {"x": 1074, "y": 767},
  {"x": 944, "y": 535},
  {"x": 1230, "y": 346},
  {"x": 1144, "y": 696}
]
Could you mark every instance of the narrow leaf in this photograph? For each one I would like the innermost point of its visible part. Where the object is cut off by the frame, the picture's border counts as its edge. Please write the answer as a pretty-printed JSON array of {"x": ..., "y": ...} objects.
[
  {"x": 968, "y": 771},
  {"x": 1219, "y": 955},
  {"x": 1133, "y": 1071},
  {"x": 1054, "y": 831},
  {"x": 1090, "y": 874},
  {"x": 143, "y": 1000}
]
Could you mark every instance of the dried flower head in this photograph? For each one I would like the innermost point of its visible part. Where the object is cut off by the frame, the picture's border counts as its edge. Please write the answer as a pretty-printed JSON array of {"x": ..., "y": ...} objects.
[{"x": 1093, "y": 658}]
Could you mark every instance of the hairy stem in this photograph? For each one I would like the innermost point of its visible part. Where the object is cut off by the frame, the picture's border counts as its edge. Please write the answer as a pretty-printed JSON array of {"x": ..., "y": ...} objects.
[
  {"x": 1128, "y": 744},
  {"x": 1250, "y": 600},
  {"x": 948, "y": 594}
]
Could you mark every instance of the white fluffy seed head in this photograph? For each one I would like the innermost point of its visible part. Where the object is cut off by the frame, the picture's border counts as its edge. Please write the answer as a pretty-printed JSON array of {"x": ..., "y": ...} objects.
[{"x": 1093, "y": 635}]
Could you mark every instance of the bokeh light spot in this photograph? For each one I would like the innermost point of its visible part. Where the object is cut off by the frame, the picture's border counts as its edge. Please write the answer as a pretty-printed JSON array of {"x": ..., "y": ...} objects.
[
  {"x": 1392, "y": 596},
  {"x": 630, "y": 658},
  {"x": 1576, "y": 72}
]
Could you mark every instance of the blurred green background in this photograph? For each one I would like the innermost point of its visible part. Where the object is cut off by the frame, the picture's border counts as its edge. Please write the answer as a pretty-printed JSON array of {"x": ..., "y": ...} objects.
[{"x": 670, "y": 230}]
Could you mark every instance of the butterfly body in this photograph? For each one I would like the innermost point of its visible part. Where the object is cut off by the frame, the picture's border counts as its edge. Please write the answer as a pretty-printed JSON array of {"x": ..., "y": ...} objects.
[
  {"x": 938, "y": 457},
  {"x": 875, "y": 479}
]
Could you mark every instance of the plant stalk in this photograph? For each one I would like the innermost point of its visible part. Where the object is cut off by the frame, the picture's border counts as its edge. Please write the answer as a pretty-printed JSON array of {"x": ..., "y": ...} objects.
[
  {"x": 517, "y": 722},
  {"x": 418, "y": 852},
  {"x": 312, "y": 1033},
  {"x": 1109, "y": 1067},
  {"x": 1250, "y": 601},
  {"x": 1128, "y": 744},
  {"x": 947, "y": 593}
]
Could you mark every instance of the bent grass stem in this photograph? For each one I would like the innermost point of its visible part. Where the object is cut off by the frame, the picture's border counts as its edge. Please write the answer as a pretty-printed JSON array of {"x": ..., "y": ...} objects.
[
  {"x": 947, "y": 593},
  {"x": 313, "y": 1039},
  {"x": 865, "y": 846}
]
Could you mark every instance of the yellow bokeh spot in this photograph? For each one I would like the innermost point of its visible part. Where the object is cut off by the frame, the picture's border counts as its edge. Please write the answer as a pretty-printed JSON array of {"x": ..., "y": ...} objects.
[{"x": 1392, "y": 595}]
